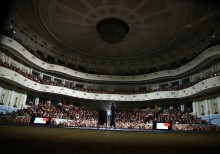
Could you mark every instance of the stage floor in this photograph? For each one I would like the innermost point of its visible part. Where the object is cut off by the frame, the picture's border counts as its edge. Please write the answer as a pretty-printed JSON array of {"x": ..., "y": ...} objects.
[{"x": 77, "y": 140}]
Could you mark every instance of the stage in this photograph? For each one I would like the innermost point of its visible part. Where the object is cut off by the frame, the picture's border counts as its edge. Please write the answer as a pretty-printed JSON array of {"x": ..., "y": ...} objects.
[{"x": 49, "y": 139}]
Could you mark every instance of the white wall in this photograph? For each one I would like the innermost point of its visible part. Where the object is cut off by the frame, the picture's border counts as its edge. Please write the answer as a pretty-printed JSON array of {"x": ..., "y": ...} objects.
[{"x": 12, "y": 98}]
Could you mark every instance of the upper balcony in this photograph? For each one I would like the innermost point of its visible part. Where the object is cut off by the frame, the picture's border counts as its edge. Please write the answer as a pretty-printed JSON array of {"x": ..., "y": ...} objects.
[
  {"x": 19, "y": 50},
  {"x": 25, "y": 81}
]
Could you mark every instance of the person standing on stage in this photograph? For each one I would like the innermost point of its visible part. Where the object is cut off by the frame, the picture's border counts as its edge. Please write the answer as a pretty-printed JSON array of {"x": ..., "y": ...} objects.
[{"x": 113, "y": 115}]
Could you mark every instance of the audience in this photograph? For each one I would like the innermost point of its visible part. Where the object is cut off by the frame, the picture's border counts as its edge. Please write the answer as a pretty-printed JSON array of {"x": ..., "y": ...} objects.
[
  {"x": 70, "y": 115},
  {"x": 120, "y": 91},
  {"x": 125, "y": 119}
]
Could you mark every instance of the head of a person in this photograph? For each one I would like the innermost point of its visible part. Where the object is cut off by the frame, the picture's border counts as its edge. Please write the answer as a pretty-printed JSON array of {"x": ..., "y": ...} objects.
[{"x": 113, "y": 104}]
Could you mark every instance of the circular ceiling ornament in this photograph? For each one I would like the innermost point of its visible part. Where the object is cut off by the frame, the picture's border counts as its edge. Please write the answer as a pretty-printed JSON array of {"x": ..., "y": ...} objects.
[
  {"x": 153, "y": 26},
  {"x": 112, "y": 30}
]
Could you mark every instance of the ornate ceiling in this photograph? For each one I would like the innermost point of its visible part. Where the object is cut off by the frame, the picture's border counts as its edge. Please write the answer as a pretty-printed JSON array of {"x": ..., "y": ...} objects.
[{"x": 155, "y": 26}]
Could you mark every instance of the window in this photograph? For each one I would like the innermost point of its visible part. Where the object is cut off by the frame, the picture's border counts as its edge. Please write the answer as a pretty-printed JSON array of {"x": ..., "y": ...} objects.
[
  {"x": 58, "y": 81},
  {"x": 175, "y": 83},
  {"x": 46, "y": 77},
  {"x": 164, "y": 86},
  {"x": 79, "y": 85},
  {"x": 186, "y": 80},
  {"x": 35, "y": 73}
]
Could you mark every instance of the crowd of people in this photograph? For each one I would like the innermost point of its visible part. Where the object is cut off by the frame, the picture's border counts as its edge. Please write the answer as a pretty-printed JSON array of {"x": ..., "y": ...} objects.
[
  {"x": 83, "y": 117},
  {"x": 70, "y": 115},
  {"x": 120, "y": 91}
]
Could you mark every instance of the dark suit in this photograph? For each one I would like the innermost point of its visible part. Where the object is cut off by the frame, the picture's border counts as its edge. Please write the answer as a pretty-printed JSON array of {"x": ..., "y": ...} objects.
[{"x": 113, "y": 116}]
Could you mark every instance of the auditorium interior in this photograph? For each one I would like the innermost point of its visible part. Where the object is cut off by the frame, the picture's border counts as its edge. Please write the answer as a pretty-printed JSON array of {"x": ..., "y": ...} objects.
[{"x": 65, "y": 61}]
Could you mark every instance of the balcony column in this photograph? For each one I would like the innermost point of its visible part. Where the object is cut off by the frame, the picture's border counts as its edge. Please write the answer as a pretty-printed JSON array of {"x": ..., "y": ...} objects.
[
  {"x": 36, "y": 101},
  {"x": 182, "y": 107},
  {"x": 10, "y": 98},
  {"x": 23, "y": 101},
  {"x": 197, "y": 109},
  {"x": 206, "y": 108},
  {"x": 218, "y": 105},
  {"x": 194, "y": 108}
]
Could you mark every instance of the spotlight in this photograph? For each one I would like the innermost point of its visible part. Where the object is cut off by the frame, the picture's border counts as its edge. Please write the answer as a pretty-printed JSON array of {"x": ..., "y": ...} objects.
[{"x": 108, "y": 112}]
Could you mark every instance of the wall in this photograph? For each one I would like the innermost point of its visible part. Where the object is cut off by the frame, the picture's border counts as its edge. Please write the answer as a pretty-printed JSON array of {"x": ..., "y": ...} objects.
[
  {"x": 212, "y": 119},
  {"x": 12, "y": 98}
]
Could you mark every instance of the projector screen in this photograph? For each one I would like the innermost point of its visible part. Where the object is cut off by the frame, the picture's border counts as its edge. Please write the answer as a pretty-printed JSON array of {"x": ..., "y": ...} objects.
[
  {"x": 40, "y": 120},
  {"x": 162, "y": 126}
]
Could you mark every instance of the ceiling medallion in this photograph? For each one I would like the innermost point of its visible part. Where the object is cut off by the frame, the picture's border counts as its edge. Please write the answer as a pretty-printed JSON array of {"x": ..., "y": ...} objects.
[{"x": 112, "y": 30}]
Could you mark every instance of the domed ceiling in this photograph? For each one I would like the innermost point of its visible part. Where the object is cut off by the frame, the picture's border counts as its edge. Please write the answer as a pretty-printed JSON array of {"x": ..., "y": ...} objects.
[{"x": 153, "y": 25}]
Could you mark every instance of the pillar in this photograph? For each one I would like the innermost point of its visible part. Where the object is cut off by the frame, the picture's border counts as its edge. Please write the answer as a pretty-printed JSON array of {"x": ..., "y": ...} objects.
[
  {"x": 23, "y": 102},
  {"x": 206, "y": 107},
  {"x": 12, "y": 100},
  {"x": 218, "y": 105},
  {"x": 36, "y": 101},
  {"x": 1, "y": 96},
  {"x": 182, "y": 107},
  {"x": 197, "y": 109},
  {"x": 1, "y": 90},
  {"x": 194, "y": 108}
]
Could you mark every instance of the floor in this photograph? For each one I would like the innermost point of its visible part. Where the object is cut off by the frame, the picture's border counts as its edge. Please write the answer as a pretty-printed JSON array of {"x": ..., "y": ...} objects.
[{"x": 38, "y": 139}]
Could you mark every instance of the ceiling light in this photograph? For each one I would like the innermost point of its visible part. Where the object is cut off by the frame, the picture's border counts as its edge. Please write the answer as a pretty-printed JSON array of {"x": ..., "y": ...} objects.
[{"x": 112, "y": 30}]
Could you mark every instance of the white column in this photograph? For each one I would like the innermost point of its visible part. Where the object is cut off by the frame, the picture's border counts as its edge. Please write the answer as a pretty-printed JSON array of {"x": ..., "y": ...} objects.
[
  {"x": 190, "y": 78},
  {"x": 41, "y": 75},
  {"x": 23, "y": 102},
  {"x": 206, "y": 107},
  {"x": 182, "y": 107},
  {"x": 52, "y": 78},
  {"x": 194, "y": 108},
  {"x": 218, "y": 105},
  {"x": 210, "y": 106},
  {"x": 63, "y": 81},
  {"x": 1, "y": 97},
  {"x": 20, "y": 102},
  {"x": 9, "y": 96},
  {"x": 30, "y": 71},
  {"x": 0, "y": 91},
  {"x": 11, "y": 101},
  {"x": 8, "y": 60},
  {"x": 197, "y": 109},
  {"x": 36, "y": 101}
]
